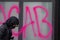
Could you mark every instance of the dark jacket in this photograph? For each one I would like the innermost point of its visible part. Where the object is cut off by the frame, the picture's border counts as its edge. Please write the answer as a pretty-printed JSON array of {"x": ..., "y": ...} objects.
[
  {"x": 5, "y": 33},
  {"x": 6, "y": 28}
]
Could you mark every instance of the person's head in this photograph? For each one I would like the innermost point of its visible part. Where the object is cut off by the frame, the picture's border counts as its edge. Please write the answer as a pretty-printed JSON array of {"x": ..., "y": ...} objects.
[{"x": 12, "y": 22}]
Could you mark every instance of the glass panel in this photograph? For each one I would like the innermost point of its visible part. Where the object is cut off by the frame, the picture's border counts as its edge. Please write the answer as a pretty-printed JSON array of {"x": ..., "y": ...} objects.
[
  {"x": 6, "y": 7},
  {"x": 40, "y": 13}
]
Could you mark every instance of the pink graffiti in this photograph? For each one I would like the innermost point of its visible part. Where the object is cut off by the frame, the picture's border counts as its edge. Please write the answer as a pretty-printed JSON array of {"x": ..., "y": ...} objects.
[
  {"x": 43, "y": 20},
  {"x": 22, "y": 29},
  {"x": 9, "y": 14},
  {"x": 28, "y": 11},
  {"x": 13, "y": 7},
  {"x": 32, "y": 22},
  {"x": 3, "y": 12}
]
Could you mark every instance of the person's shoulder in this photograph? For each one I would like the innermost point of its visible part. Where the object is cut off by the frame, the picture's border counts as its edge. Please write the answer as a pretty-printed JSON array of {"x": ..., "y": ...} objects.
[{"x": 2, "y": 27}]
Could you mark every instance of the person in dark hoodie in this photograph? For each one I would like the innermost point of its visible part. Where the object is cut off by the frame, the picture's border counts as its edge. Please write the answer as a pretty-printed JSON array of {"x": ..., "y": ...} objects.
[{"x": 6, "y": 28}]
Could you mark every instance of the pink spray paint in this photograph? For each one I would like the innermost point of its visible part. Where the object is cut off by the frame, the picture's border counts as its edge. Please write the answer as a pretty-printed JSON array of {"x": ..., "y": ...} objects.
[
  {"x": 13, "y": 7},
  {"x": 28, "y": 12},
  {"x": 3, "y": 12},
  {"x": 25, "y": 26},
  {"x": 44, "y": 21}
]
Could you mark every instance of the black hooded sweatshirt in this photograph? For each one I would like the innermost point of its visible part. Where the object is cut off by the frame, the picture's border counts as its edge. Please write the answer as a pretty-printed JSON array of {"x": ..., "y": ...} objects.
[{"x": 5, "y": 28}]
